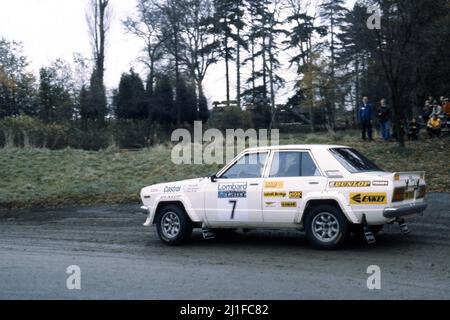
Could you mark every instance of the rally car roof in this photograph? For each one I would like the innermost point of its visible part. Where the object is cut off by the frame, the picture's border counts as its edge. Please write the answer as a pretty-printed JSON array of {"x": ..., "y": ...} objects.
[{"x": 297, "y": 147}]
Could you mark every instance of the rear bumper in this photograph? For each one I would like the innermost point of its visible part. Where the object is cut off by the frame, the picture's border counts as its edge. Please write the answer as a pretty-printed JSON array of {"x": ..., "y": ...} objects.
[{"x": 404, "y": 211}]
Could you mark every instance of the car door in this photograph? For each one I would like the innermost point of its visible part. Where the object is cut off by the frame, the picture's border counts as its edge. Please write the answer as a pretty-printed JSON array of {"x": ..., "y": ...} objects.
[
  {"x": 235, "y": 197},
  {"x": 290, "y": 177}
]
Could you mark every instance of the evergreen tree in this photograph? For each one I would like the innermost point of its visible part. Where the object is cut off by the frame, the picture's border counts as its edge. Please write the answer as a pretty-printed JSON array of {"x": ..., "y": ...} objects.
[
  {"x": 97, "y": 104},
  {"x": 332, "y": 13},
  {"x": 130, "y": 98},
  {"x": 163, "y": 102},
  {"x": 203, "y": 110},
  {"x": 56, "y": 93},
  {"x": 188, "y": 102},
  {"x": 17, "y": 85}
]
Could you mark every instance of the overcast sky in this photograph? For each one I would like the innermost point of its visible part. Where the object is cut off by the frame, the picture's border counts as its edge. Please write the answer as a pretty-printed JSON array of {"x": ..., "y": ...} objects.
[{"x": 51, "y": 29}]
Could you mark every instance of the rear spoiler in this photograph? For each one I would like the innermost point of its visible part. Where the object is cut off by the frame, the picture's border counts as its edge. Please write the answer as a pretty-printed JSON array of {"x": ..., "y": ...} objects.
[{"x": 413, "y": 175}]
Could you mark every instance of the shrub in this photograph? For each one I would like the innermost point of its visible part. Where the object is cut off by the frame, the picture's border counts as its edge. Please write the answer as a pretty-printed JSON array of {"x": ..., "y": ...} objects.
[{"x": 231, "y": 118}]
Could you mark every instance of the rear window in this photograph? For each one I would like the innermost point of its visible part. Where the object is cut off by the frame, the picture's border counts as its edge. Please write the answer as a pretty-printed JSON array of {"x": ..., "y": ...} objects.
[{"x": 354, "y": 161}]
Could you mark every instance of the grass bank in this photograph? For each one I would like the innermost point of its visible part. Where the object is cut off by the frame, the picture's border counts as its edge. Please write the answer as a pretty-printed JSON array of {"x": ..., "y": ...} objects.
[{"x": 39, "y": 177}]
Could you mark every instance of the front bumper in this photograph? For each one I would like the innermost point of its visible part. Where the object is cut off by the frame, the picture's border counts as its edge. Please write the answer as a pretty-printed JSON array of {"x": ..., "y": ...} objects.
[
  {"x": 149, "y": 220},
  {"x": 404, "y": 211}
]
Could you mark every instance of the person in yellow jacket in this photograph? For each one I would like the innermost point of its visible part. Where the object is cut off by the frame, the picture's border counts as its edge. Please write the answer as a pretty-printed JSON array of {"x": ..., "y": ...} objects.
[{"x": 434, "y": 126}]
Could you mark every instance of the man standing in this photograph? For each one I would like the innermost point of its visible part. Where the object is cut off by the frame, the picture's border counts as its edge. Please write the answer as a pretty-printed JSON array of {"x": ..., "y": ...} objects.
[
  {"x": 384, "y": 115},
  {"x": 365, "y": 118}
]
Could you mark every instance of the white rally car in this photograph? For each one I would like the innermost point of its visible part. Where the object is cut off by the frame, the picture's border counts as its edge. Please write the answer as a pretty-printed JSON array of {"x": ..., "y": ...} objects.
[{"x": 327, "y": 191}]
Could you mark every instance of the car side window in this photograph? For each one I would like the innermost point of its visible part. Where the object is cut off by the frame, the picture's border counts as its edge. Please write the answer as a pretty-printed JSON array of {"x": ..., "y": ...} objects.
[
  {"x": 249, "y": 166},
  {"x": 293, "y": 164}
]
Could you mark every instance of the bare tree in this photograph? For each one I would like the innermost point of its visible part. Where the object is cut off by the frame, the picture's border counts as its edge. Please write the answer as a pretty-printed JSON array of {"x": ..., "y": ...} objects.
[
  {"x": 147, "y": 26},
  {"x": 201, "y": 45},
  {"x": 98, "y": 18}
]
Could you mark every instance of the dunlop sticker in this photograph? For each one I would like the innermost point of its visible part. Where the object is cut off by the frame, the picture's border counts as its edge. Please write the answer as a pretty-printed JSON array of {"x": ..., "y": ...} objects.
[
  {"x": 274, "y": 194},
  {"x": 368, "y": 198},
  {"x": 350, "y": 184},
  {"x": 289, "y": 204},
  {"x": 295, "y": 195},
  {"x": 274, "y": 184}
]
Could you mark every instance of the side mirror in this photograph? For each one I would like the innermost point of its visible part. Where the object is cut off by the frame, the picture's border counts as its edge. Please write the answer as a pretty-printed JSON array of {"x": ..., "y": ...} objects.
[{"x": 214, "y": 178}]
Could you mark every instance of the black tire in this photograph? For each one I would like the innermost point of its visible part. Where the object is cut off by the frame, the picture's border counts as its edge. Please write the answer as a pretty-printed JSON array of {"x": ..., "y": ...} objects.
[
  {"x": 336, "y": 225},
  {"x": 173, "y": 225}
]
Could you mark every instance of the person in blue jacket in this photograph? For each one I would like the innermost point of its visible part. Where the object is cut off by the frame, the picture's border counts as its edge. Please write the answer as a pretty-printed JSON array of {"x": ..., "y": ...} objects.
[{"x": 365, "y": 115}]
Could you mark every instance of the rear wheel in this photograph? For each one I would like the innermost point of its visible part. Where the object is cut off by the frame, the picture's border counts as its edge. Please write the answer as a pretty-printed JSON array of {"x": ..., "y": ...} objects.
[
  {"x": 173, "y": 225},
  {"x": 326, "y": 227}
]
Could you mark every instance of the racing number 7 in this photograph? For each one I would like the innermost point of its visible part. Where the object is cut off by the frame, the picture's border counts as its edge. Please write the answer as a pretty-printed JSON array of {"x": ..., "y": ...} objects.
[{"x": 234, "y": 203}]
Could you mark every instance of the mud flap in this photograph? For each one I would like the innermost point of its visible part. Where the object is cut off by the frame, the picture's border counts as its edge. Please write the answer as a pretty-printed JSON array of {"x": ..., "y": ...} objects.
[
  {"x": 368, "y": 234},
  {"x": 208, "y": 234},
  {"x": 403, "y": 226}
]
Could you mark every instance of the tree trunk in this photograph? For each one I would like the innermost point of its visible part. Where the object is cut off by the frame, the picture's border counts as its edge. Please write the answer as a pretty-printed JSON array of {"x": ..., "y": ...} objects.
[
  {"x": 227, "y": 71},
  {"x": 238, "y": 70},
  {"x": 177, "y": 82},
  {"x": 398, "y": 117},
  {"x": 264, "y": 49},
  {"x": 357, "y": 93},
  {"x": 271, "y": 78},
  {"x": 253, "y": 71}
]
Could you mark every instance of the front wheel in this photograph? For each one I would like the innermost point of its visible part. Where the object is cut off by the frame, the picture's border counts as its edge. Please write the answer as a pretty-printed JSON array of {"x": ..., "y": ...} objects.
[
  {"x": 173, "y": 225},
  {"x": 326, "y": 227}
]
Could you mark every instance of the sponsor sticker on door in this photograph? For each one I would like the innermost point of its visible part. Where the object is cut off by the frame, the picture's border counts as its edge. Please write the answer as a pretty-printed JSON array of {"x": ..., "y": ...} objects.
[
  {"x": 289, "y": 204},
  {"x": 270, "y": 204},
  {"x": 368, "y": 198},
  {"x": 274, "y": 185},
  {"x": 295, "y": 194},
  {"x": 274, "y": 194},
  {"x": 232, "y": 190}
]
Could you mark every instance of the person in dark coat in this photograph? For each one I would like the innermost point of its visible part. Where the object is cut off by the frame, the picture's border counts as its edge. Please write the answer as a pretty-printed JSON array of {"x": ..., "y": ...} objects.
[
  {"x": 384, "y": 117},
  {"x": 365, "y": 115},
  {"x": 413, "y": 130}
]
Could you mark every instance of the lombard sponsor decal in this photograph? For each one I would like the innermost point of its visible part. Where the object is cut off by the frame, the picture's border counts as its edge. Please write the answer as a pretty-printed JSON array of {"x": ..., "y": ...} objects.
[
  {"x": 350, "y": 184},
  {"x": 232, "y": 190},
  {"x": 274, "y": 185},
  {"x": 289, "y": 204},
  {"x": 295, "y": 194},
  {"x": 278, "y": 194},
  {"x": 172, "y": 189},
  {"x": 368, "y": 198}
]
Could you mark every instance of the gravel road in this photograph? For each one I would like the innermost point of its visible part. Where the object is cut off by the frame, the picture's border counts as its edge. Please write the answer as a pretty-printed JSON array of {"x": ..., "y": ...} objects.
[{"x": 120, "y": 259}]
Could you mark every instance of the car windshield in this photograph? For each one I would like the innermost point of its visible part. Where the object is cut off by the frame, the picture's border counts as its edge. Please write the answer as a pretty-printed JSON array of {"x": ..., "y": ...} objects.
[{"x": 354, "y": 161}]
